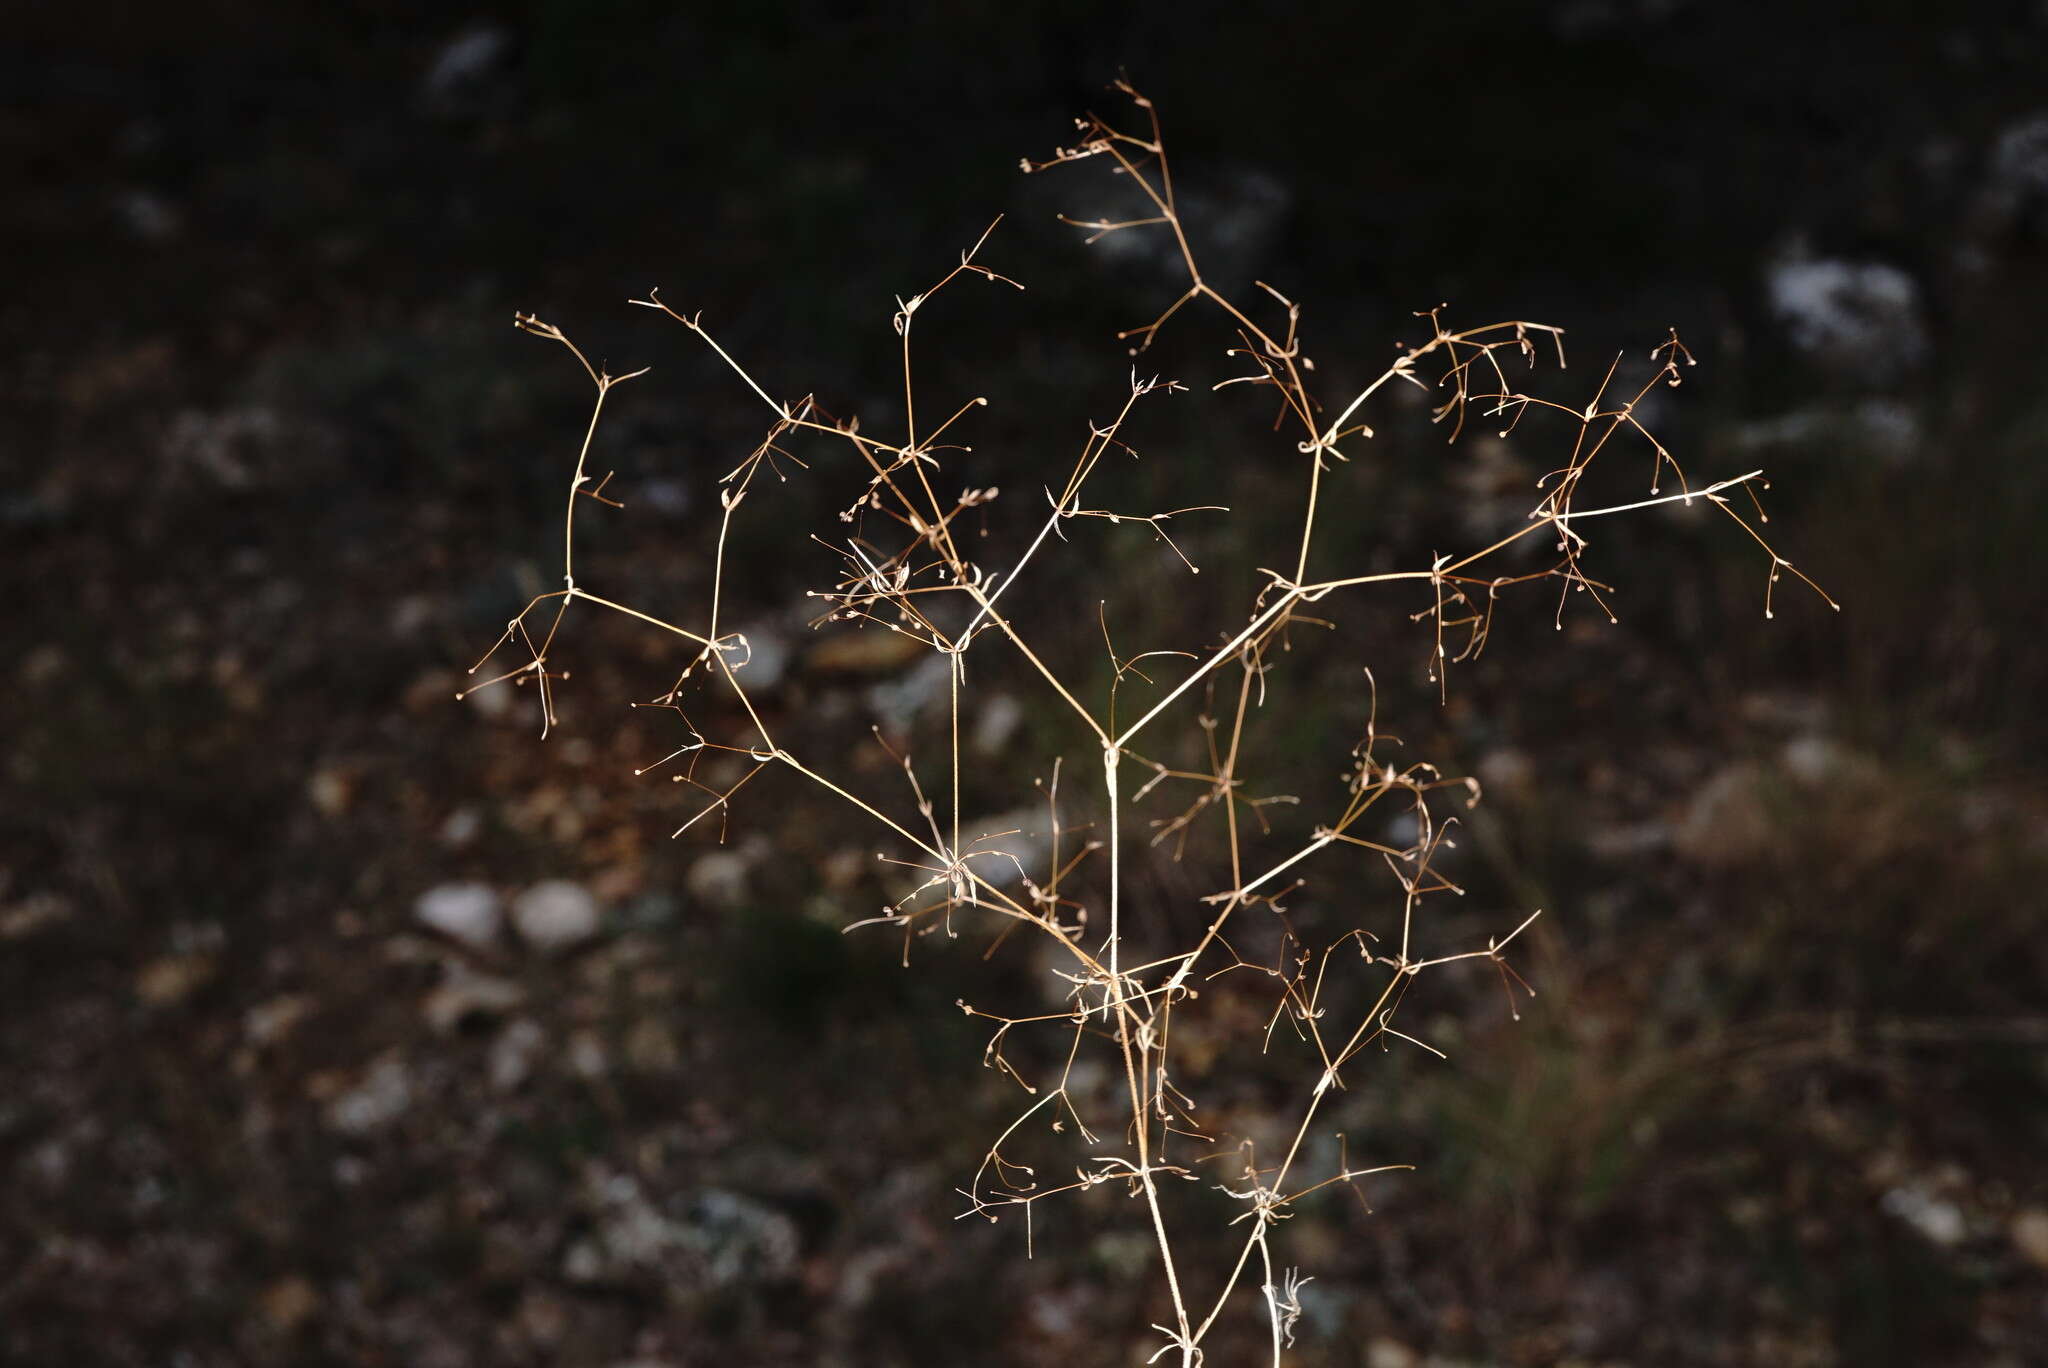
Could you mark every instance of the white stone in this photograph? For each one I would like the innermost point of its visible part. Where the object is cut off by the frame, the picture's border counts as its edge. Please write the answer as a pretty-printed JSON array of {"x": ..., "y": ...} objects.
[
  {"x": 719, "y": 878},
  {"x": 494, "y": 702},
  {"x": 382, "y": 1097},
  {"x": 462, "y": 826},
  {"x": 513, "y": 1052},
  {"x": 898, "y": 703},
  {"x": 1000, "y": 717},
  {"x": 1938, "y": 1220},
  {"x": 469, "y": 61},
  {"x": 1862, "y": 317},
  {"x": 2019, "y": 164},
  {"x": 1389, "y": 1353},
  {"x": 555, "y": 914},
  {"x": 467, "y": 912},
  {"x": 763, "y": 661}
]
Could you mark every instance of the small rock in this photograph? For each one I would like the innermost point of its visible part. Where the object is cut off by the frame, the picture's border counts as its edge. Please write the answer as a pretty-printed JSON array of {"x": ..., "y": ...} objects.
[
  {"x": 462, "y": 827},
  {"x": 555, "y": 914},
  {"x": 465, "y": 67},
  {"x": 1629, "y": 840},
  {"x": 900, "y": 702},
  {"x": 226, "y": 447},
  {"x": 44, "y": 665},
  {"x": 2015, "y": 193},
  {"x": 467, "y": 912},
  {"x": 584, "y": 1262},
  {"x": 1508, "y": 772},
  {"x": 652, "y": 908},
  {"x": 1862, "y": 318},
  {"x": 1884, "y": 428},
  {"x": 1940, "y": 1221},
  {"x": 512, "y": 1054},
  {"x": 329, "y": 791},
  {"x": 494, "y": 702},
  {"x": 763, "y": 661},
  {"x": 630, "y": 1234},
  {"x": 668, "y": 497},
  {"x": 32, "y": 914},
  {"x": 383, "y": 1095},
  {"x": 413, "y": 614},
  {"x": 720, "y": 1239},
  {"x": 1008, "y": 847},
  {"x": 586, "y": 1055},
  {"x": 543, "y": 1317},
  {"x": 287, "y": 1303},
  {"x": 1823, "y": 761},
  {"x": 2030, "y": 1236},
  {"x": 50, "y": 1163},
  {"x": 1245, "y": 210},
  {"x": 1004, "y": 848},
  {"x": 998, "y": 722},
  {"x": 1058, "y": 1313},
  {"x": 148, "y": 215},
  {"x": 268, "y": 1022},
  {"x": 719, "y": 878},
  {"x": 1390, "y": 1353},
  {"x": 741, "y": 1241},
  {"x": 465, "y": 994},
  {"x": 169, "y": 980},
  {"x": 846, "y": 867}
]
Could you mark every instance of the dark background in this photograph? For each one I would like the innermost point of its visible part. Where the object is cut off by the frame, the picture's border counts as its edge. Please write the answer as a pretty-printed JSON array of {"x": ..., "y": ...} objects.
[{"x": 278, "y": 469}]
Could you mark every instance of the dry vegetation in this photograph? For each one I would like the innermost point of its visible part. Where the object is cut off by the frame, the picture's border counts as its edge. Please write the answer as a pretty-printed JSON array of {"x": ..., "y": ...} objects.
[{"x": 1170, "y": 753}]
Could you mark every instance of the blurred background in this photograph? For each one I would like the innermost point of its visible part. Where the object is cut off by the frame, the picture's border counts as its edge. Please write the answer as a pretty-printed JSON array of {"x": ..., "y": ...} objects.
[{"x": 347, "y": 1024}]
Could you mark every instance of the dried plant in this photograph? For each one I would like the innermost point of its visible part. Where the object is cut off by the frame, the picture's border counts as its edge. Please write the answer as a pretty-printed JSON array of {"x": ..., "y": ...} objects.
[{"x": 907, "y": 569}]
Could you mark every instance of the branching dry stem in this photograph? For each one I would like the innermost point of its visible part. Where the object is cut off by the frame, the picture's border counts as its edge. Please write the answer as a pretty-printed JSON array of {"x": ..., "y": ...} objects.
[{"x": 906, "y": 571}]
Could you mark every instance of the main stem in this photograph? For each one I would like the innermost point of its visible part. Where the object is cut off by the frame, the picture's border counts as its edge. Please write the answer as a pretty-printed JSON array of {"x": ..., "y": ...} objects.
[{"x": 1137, "y": 1069}]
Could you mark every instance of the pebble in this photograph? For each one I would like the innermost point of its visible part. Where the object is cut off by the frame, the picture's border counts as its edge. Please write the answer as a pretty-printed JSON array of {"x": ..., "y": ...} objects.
[
  {"x": 467, "y": 912},
  {"x": 383, "y": 1095},
  {"x": 555, "y": 914},
  {"x": 270, "y": 1021},
  {"x": 1391, "y": 1353},
  {"x": 586, "y": 1055},
  {"x": 32, "y": 914},
  {"x": 998, "y": 722},
  {"x": 2030, "y": 1236},
  {"x": 466, "y": 64},
  {"x": 1940, "y": 1221},
  {"x": 719, "y": 878},
  {"x": 1508, "y": 772},
  {"x": 494, "y": 702},
  {"x": 464, "y": 995},
  {"x": 329, "y": 791},
  {"x": 1864, "y": 317},
  {"x": 168, "y": 981},
  {"x": 513, "y": 1052},
  {"x": 764, "y": 660},
  {"x": 462, "y": 826},
  {"x": 900, "y": 701},
  {"x": 287, "y": 1303}
]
